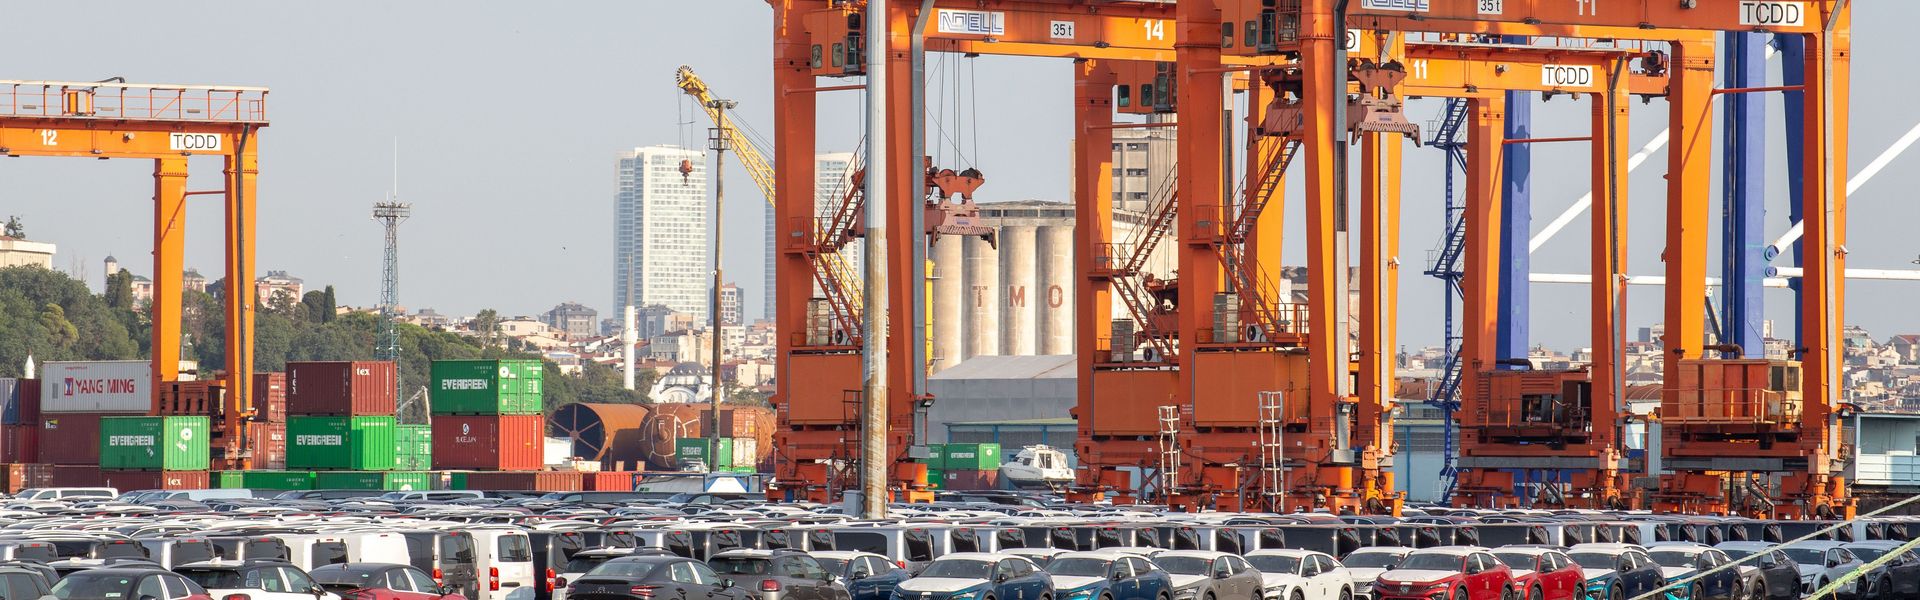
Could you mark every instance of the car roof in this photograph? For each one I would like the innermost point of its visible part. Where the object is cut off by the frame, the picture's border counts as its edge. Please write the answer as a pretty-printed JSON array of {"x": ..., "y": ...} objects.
[
  {"x": 1688, "y": 547},
  {"x": 1815, "y": 544},
  {"x": 1533, "y": 550},
  {"x": 985, "y": 556},
  {"x": 1386, "y": 549},
  {"x": 1450, "y": 550},
  {"x": 1876, "y": 544},
  {"x": 841, "y": 554},
  {"x": 1605, "y": 547},
  {"x": 1206, "y": 554},
  {"x": 1745, "y": 545},
  {"x": 1287, "y": 552}
]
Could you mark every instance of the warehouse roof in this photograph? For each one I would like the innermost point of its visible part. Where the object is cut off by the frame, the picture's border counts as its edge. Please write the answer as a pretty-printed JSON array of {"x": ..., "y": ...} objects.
[{"x": 1050, "y": 366}]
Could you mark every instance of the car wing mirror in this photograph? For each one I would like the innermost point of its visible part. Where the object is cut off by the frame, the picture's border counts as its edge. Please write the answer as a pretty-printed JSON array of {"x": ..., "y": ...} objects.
[
  {"x": 448, "y": 590},
  {"x": 1117, "y": 576}
]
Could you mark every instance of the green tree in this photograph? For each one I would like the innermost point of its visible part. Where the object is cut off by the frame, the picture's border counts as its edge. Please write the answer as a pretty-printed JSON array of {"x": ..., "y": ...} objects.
[
  {"x": 51, "y": 316},
  {"x": 328, "y": 306},
  {"x": 120, "y": 290},
  {"x": 15, "y": 229},
  {"x": 486, "y": 324}
]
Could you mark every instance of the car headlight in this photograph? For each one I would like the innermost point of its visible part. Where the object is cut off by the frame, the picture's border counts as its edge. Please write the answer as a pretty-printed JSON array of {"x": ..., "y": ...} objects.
[
  {"x": 1186, "y": 593},
  {"x": 966, "y": 595},
  {"x": 1080, "y": 594}
]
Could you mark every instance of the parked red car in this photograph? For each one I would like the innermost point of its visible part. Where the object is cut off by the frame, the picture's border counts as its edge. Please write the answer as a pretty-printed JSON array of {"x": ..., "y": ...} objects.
[
  {"x": 378, "y": 581},
  {"x": 1543, "y": 573},
  {"x": 1447, "y": 573}
]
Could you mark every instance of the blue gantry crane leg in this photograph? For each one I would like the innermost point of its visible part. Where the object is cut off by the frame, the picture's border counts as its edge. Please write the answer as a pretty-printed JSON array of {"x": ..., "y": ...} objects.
[
  {"x": 1793, "y": 72},
  {"x": 1743, "y": 262},
  {"x": 1516, "y": 218}
]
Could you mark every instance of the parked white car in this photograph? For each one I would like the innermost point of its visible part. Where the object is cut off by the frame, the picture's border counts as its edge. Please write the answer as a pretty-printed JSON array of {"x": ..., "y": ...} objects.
[{"x": 1301, "y": 575}]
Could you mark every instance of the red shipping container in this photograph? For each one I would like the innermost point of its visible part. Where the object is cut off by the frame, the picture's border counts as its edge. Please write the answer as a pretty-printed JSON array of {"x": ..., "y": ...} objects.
[
  {"x": 607, "y": 481},
  {"x": 20, "y": 443},
  {"x": 270, "y": 396},
  {"x": 127, "y": 481},
  {"x": 361, "y": 388},
  {"x": 29, "y": 406},
  {"x": 269, "y": 445},
  {"x": 20, "y": 476},
  {"x": 77, "y": 476},
  {"x": 70, "y": 439},
  {"x": 490, "y": 442},
  {"x": 972, "y": 480},
  {"x": 552, "y": 481}
]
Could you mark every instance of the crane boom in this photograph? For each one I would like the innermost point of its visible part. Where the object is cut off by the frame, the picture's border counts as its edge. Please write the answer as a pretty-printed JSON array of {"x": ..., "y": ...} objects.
[{"x": 840, "y": 274}]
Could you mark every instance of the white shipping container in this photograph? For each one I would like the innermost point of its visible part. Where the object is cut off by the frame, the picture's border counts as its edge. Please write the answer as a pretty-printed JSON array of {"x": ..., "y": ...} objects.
[
  {"x": 118, "y": 386},
  {"x": 745, "y": 453}
]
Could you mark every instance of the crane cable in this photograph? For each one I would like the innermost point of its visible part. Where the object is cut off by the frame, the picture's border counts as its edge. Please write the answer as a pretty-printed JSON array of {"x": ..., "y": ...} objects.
[{"x": 1681, "y": 584}]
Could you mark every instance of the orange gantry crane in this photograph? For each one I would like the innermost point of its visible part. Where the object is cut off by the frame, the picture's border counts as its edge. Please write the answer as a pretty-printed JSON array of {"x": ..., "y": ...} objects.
[
  {"x": 167, "y": 124},
  {"x": 1229, "y": 340}
]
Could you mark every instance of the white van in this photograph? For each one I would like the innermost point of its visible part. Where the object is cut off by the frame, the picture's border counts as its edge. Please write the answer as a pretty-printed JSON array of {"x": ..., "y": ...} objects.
[
  {"x": 68, "y": 493},
  {"x": 200, "y": 495},
  {"x": 503, "y": 559},
  {"x": 376, "y": 547},
  {"x": 310, "y": 551},
  {"x": 176, "y": 551}
]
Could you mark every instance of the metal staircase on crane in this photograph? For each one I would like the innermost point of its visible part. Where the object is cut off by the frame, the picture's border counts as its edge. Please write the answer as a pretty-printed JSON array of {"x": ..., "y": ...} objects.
[{"x": 1445, "y": 265}]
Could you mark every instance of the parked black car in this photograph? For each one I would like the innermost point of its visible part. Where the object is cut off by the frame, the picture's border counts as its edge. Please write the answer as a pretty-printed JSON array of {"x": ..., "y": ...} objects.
[
  {"x": 653, "y": 578},
  {"x": 779, "y": 574}
]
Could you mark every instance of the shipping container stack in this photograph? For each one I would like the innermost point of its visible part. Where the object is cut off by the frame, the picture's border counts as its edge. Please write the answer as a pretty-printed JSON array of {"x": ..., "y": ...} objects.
[
  {"x": 147, "y": 453},
  {"x": 488, "y": 418},
  {"x": 20, "y": 435},
  {"x": 963, "y": 466},
  {"x": 267, "y": 431},
  {"x": 74, "y": 403},
  {"x": 340, "y": 430}
]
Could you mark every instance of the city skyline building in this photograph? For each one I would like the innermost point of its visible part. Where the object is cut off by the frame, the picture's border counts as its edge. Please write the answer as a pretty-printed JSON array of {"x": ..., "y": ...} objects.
[{"x": 661, "y": 230}]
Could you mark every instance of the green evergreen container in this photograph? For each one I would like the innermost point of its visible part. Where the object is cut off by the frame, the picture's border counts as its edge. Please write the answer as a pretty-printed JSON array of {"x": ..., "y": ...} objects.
[
  {"x": 488, "y": 387},
  {"x": 716, "y": 453},
  {"x": 404, "y": 481},
  {"x": 341, "y": 443},
  {"x": 229, "y": 480},
  {"x": 413, "y": 447},
  {"x": 154, "y": 443},
  {"x": 275, "y": 480},
  {"x": 936, "y": 478},
  {"x": 936, "y": 456},
  {"x": 971, "y": 457}
]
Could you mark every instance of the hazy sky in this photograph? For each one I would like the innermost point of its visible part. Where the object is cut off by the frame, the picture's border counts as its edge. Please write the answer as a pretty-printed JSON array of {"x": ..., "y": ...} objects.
[{"x": 509, "y": 116}]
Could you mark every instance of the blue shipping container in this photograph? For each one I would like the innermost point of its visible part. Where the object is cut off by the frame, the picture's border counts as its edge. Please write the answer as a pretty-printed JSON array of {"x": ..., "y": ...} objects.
[{"x": 10, "y": 401}]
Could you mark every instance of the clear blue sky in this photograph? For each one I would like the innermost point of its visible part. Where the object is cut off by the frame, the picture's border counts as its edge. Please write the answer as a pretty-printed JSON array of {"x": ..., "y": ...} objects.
[{"x": 509, "y": 116}]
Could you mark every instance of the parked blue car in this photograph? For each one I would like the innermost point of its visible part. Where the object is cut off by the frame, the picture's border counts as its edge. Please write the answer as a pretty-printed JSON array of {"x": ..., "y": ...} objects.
[
  {"x": 1617, "y": 571},
  {"x": 868, "y": 576},
  {"x": 1108, "y": 575},
  {"x": 978, "y": 576}
]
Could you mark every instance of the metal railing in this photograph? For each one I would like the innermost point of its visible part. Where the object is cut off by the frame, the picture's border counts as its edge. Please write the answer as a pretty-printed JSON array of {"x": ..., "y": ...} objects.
[{"x": 138, "y": 102}]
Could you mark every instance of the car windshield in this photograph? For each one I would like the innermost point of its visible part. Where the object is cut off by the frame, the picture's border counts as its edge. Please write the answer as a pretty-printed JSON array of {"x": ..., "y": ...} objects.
[
  {"x": 1674, "y": 558},
  {"x": 1866, "y": 553},
  {"x": 959, "y": 569},
  {"x": 1432, "y": 562},
  {"x": 833, "y": 565},
  {"x": 220, "y": 579},
  {"x": 79, "y": 586},
  {"x": 583, "y": 563},
  {"x": 1737, "y": 553},
  {"x": 1806, "y": 556},
  {"x": 1275, "y": 564},
  {"x": 1516, "y": 560},
  {"x": 1595, "y": 560},
  {"x": 1078, "y": 567},
  {"x": 1371, "y": 560},
  {"x": 344, "y": 578},
  {"x": 1185, "y": 565},
  {"x": 739, "y": 565},
  {"x": 621, "y": 569}
]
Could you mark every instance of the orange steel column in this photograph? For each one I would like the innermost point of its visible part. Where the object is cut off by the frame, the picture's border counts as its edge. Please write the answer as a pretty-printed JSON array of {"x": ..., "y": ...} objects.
[
  {"x": 1379, "y": 299},
  {"x": 1092, "y": 229},
  {"x": 1824, "y": 212},
  {"x": 1480, "y": 255},
  {"x": 1689, "y": 185},
  {"x": 908, "y": 182},
  {"x": 1201, "y": 106},
  {"x": 793, "y": 202},
  {"x": 169, "y": 250},
  {"x": 1609, "y": 256},
  {"x": 1263, "y": 243},
  {"x": 242, "y": 173},
  {"x": 1326, "y": 301}
]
